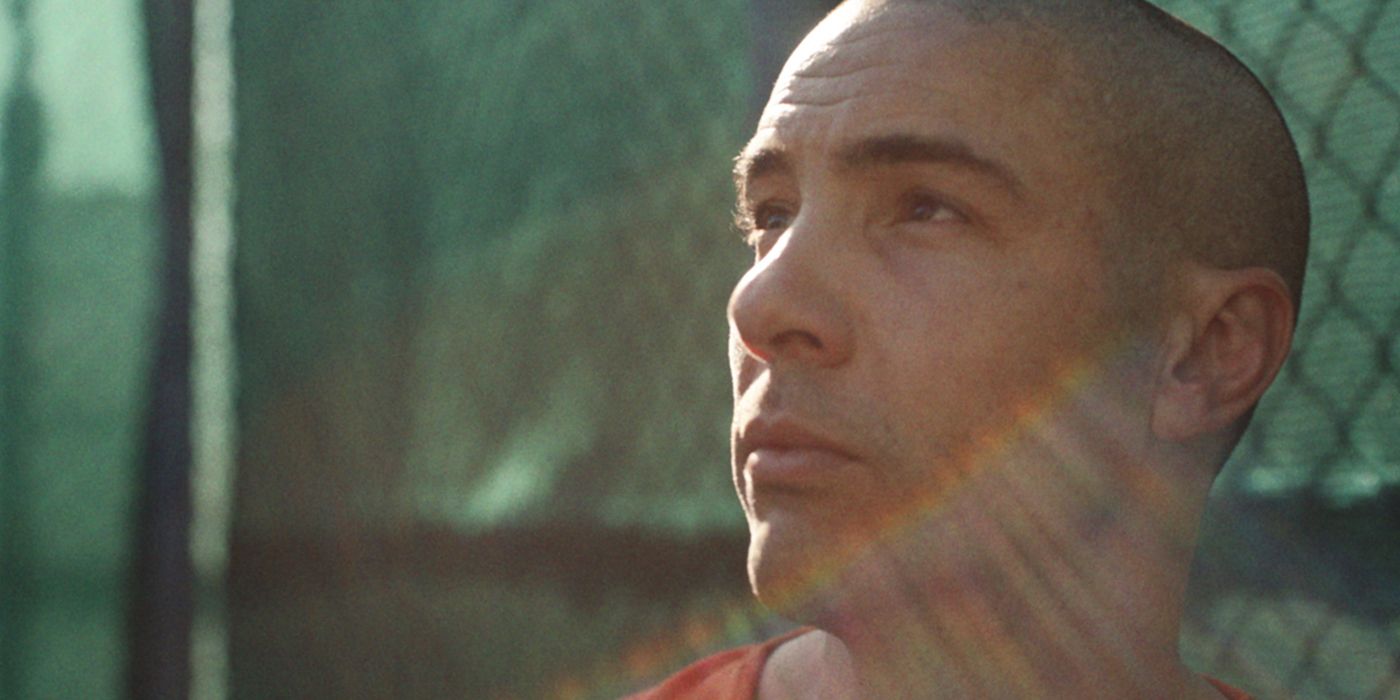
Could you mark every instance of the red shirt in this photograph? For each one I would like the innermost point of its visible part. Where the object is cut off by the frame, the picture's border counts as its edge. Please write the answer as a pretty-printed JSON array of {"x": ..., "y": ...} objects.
[{"x": 734, "y": 674}]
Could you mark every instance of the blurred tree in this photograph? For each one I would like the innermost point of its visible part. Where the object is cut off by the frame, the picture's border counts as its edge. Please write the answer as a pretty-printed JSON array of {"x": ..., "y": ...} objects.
[{"x": 22, "y": 151}]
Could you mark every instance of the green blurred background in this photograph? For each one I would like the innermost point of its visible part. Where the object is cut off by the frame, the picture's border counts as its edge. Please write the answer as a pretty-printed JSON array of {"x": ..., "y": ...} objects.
[{"x": 449, "y": 419}]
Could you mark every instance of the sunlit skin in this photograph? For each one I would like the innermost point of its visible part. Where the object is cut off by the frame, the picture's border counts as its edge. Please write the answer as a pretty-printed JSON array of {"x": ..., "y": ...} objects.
[{"x": 928, "y": 327}]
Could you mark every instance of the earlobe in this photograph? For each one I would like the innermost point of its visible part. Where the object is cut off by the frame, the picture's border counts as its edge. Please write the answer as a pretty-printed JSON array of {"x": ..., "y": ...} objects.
[{"x": 1221, "y": 352}]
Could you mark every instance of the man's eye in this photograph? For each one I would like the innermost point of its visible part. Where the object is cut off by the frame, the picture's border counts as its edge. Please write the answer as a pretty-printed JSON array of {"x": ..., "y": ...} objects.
[
  {"x": 770, "y": 217},
  {"x": 925, "y": 208}
]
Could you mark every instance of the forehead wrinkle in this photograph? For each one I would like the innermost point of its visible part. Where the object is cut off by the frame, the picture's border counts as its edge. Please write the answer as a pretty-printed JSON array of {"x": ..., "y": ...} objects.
[
  {"x": 819, "y": 92},
  {"x": 852, "y": 36},
  {"x": 813, "y": 71},
  {"x": 837, "y": 59}
]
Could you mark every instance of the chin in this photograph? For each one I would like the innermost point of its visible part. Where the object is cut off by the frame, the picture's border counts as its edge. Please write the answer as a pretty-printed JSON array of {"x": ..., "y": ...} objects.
[{"x": 799, "y": 580}]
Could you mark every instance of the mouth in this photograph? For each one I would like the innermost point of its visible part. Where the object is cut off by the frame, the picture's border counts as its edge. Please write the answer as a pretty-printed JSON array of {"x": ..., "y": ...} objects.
[{"x": 786, "y": 456}]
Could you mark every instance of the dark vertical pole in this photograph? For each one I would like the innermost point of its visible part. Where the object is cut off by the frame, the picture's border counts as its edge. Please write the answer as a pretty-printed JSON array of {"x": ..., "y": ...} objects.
[
  {"x": 162, "y": 592},
  {"x": 21, "y": 146}
]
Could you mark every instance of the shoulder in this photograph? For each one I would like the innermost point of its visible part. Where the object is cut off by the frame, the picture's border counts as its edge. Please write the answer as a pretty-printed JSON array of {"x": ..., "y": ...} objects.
[
  {"x": 1229, "y": 691},
  {"x": 732, "y": 674}
]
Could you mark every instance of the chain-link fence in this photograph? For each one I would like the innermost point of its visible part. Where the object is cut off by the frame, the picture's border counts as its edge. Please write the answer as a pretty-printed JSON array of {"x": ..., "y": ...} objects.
[
  {"x": 1312, "y": 492},
  {"x": 1330, "y": 422}
]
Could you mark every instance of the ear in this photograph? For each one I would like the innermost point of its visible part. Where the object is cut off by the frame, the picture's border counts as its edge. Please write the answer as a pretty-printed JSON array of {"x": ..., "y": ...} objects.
[{"x": 1224, "y": 345}]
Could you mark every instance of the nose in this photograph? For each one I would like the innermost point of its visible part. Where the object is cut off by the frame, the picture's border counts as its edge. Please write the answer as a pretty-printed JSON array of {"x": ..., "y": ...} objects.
[{"x": 789, "y": 307}]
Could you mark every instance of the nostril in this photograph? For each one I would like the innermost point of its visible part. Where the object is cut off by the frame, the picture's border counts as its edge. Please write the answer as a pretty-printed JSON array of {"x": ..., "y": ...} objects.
[
  {"x": 755, "y": 350},
  {"x": 794, "y": 339}
]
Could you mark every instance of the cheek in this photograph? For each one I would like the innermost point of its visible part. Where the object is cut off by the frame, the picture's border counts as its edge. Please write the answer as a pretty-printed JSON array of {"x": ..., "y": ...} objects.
[
  {"x": 1053, "y": 327},
  {"x": 970, "y": 355}
]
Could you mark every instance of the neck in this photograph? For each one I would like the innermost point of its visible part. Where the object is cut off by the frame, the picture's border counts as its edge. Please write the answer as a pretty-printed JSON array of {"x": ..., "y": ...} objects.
[
  {"x": 1032, "y": 593},
  {"x": 1055, "y": 568},
  {"x": 1010, "y": 641}
]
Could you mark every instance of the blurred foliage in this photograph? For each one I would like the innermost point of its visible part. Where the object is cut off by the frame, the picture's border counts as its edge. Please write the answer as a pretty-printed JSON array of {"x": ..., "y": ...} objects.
[
  {"x": 510, "y": 240},
  {"x": 77, "y": 285},
  {"x": 482, "y": 252}
]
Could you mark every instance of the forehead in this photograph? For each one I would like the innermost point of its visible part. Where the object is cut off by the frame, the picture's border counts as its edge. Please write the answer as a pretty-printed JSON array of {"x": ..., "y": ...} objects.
[{"x": 869, "y": 70}]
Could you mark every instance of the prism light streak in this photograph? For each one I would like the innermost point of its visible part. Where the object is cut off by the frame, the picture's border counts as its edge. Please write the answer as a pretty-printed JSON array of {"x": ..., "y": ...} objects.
[{"x": 647, "y": 659}]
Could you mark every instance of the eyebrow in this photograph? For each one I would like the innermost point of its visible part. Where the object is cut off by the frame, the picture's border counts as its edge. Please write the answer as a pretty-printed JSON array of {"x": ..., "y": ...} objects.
[
  {"x": 750, "y": 166},
  {"x": 883, "y": 150}
]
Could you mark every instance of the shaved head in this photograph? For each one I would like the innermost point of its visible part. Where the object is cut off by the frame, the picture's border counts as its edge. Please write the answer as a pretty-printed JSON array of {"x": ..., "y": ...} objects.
[
  {"x": 1198, "y": 162},
  {"x": 1021, "y": 270}
]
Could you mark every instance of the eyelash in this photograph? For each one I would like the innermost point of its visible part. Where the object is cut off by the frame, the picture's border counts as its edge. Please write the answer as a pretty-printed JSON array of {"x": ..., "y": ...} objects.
[
  {"x": 919, "y": 198},
  {"x": 749, "y": 220}
]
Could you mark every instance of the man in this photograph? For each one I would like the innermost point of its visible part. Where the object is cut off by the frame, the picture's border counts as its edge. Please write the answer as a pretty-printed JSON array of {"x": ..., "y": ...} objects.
[{"x": 1022, "y": 270}]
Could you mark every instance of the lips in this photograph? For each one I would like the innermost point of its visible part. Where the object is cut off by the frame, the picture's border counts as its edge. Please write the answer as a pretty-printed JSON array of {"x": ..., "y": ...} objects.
[{"x": 783, "y": 454}]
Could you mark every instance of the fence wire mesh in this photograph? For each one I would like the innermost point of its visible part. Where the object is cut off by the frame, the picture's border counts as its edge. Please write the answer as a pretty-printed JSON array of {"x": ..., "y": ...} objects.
[
  {"x": 1329, "y": 424},
  {"x": 1325, "y": 449}
]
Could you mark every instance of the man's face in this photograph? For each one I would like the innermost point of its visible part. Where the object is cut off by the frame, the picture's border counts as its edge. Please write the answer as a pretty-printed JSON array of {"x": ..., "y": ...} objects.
[{"x": 927, "y": 273}]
